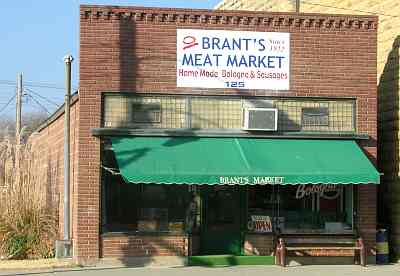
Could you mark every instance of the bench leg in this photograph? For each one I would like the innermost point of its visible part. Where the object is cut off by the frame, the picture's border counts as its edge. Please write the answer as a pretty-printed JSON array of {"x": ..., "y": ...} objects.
[
  {"x": 363, "y": 252},
  {"x": 363, "y": 256},
  {"x": 278, "y": 256},
  {"x": 283, "y": 257},
  {"x": 282, "y": 253},
  {"x": 356, "y": 256}
]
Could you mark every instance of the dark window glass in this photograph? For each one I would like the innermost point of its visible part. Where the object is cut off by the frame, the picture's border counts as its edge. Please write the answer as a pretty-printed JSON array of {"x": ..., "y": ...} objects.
[
  {"x": 222, "y": 208},
  {"x": 146, "y": 113},
  {"x": 142, "y": 207},
  {"x": 315, "y": 208},
  {"x": 315, "y": 116},
  {"x": 262, "y": 202}
]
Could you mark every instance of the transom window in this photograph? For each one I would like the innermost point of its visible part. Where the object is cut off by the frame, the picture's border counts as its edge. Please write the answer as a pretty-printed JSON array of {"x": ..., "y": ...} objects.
[{"x": 122, "y": 110}]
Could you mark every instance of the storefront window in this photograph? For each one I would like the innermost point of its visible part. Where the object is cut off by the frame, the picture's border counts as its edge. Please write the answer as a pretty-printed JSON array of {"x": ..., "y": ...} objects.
[
  {"x": 315, "y": 208},
  {"x": 143, "y": 207},
  {"x": 300, "y": 209},
  {"x": 262, "y": 204}
]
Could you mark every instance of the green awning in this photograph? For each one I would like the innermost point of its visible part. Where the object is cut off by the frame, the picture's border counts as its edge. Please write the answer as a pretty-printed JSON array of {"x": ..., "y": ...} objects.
[{"x": 203, "y": 160}]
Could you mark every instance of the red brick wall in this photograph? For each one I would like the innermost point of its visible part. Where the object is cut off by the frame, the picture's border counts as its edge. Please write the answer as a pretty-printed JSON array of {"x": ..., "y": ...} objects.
[
  {"x": 48, "y": 144},
  {"x": 134, "y": 50},
  {"x": 120, "y": 246},
  {"x": 367, "y": 199}
]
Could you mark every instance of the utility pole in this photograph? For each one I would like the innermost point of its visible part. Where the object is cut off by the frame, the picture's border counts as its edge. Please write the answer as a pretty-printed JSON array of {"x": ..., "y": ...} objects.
[
  {"x": 297, "y": 6},
  {"x": 18, "y": 111},
  {"x": 18, "y": 131},
  {"x": 67, "y": 238}
]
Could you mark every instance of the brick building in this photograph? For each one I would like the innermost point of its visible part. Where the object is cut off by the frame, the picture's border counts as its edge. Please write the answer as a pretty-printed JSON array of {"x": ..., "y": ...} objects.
[
  {"x": 388, "y": 87},
  {"x": 48, "y": 144},
  {"x": 177, "y": 154}
]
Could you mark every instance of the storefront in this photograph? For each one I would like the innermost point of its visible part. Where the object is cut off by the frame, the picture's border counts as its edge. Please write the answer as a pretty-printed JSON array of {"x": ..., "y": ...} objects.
[
  {"x": 229, "y": 191},
  {"x": 183, "y": 185},
  {"x": 202, "y": 132}
]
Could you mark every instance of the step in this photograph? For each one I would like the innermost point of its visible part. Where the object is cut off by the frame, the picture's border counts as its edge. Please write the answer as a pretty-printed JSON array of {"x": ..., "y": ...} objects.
[{"x": 230, "y": 260}]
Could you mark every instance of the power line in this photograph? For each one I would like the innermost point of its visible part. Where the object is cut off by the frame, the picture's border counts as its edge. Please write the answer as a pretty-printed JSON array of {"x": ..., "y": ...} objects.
[
  {"x": 39, "y": 104},
  {"x": 7, "y": 104},
  {"x": 43, "y": 97},
  {"x": 349, "y": 9},
  {"x": 34, "y": 84},
  {"x": 32, "y": 107},
  {"x": 8, "y": 82}
]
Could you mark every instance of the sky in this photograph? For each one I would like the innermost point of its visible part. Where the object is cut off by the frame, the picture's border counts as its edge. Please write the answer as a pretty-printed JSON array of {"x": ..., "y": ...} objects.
[{"x": 35, "y": 35}]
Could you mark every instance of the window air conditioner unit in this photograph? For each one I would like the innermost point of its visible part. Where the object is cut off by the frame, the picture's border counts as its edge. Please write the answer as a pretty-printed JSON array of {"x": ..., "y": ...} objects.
[{"x": 264, "y": 119}]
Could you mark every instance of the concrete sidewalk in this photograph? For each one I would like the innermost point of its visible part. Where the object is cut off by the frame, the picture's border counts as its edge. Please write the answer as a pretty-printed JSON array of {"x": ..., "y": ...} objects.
[{"x": 317, "y": 270}]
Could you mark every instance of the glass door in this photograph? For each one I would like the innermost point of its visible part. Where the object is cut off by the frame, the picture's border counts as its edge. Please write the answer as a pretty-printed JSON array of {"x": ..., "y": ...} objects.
[{"x": 221, "y": 233}]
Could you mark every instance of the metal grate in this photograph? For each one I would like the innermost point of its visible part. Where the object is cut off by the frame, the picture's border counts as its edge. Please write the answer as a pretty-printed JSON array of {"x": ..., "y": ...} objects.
[
  {"x": 122, "y": 111},
  {"x": 340, "y": 115},
  {"x": 212, "y": 112},
  {"x": 146, "y": 113},
  {"x": 315, "y": 116}
]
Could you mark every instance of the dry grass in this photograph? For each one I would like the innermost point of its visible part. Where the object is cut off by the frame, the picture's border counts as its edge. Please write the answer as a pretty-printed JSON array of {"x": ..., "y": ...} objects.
[
  {"x": 42, "y": 264},
  {"x": 27, "y": 224}
]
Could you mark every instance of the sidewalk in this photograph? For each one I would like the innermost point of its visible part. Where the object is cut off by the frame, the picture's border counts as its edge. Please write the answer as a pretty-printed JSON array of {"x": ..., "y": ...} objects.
[{"x": 342, "y": 270}]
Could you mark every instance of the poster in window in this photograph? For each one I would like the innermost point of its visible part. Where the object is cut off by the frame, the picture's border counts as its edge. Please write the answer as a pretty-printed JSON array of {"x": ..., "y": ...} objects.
[{"x": 260, "y": 224}]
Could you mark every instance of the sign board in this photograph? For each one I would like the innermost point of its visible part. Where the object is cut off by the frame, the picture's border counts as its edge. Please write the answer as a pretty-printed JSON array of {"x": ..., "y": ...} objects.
[
  {"x": 327, "y": 191},
  {"x": 260, "y": 224},
  {"x": 260, "y": 180},
  {"x": 232, "y": 59}
]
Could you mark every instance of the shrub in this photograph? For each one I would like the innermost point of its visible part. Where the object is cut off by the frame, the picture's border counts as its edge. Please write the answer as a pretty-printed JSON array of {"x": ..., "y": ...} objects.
[{"x": 27, "y": 224}]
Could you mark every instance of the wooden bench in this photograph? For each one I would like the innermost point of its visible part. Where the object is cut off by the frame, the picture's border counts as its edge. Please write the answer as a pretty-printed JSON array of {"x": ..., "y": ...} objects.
[{"x": 300, "y": 243}]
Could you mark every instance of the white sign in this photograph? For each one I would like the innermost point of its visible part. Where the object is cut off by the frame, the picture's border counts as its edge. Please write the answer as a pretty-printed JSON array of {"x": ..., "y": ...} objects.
[
  {"x": 232, "y": 59},
  {"x": 260, "y": 224},
  {"x": 260, "y": 180},
  {"x": 329, "y": 191}
]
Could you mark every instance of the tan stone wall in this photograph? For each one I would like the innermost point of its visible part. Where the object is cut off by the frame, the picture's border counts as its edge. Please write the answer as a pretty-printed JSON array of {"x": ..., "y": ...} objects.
[
  {"x": 258, "y": 5},
  {"x": 388, "y": 84},
  {"x": 389, "y": 132}
]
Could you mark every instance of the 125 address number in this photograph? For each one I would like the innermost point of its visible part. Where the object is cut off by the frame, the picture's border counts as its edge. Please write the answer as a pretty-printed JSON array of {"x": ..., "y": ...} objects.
[{"x": 234, "y": 84}]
